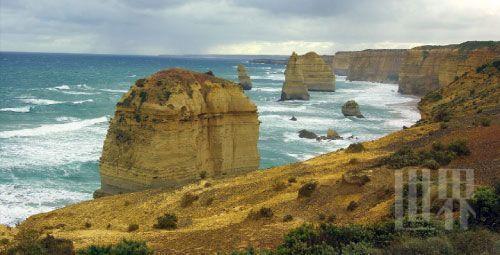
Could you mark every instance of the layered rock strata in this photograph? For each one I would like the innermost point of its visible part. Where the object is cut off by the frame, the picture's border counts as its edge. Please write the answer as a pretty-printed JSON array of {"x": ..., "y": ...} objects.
[
  {"x": 318, "y": 75},
  {"x": 175, "y": 125},
  {"x": 341, "y": 62},
  {"x": 376, "y": 65},
  {"x": 294, "y": 87},
  {"x": 427, "y": 68},
  {"x": 243, "y": 78}
]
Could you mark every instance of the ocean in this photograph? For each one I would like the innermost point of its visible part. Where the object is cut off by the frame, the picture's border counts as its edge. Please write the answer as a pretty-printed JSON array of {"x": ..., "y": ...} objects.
[{"x": 55, "y": 108}]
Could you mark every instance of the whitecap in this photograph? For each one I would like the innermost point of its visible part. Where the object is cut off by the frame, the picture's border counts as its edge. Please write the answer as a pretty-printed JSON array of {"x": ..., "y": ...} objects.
[
  {"x": 78, "y": 93},
  {"x": 268, "y": 89},
  {"x": 115, "y": 90},
  {"x": 52, "y": 128},
  {"x": 132, "y": 76},
  {"x": 62, "y": 87},
  {"x": 16, "y": 109},
  {"x": 83, "y": 101},
  {"x": 37, "y": 101}
]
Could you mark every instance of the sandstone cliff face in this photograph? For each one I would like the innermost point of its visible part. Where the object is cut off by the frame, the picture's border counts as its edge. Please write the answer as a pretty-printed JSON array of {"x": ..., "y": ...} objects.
[
  {"x": 376, "y": 65},
  {"x": 318, "y": 75},
  {"x": 174, "y": 125},
  {"x": 342, "y": 61},
  {"x": 294, "y": 86},
  {"x": 430, "y": 67},
  {"x": 243, "y": 78}
]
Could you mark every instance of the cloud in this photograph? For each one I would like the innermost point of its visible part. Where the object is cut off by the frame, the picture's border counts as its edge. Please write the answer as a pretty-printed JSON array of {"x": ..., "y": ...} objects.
[{"x": 240, "y": 26}]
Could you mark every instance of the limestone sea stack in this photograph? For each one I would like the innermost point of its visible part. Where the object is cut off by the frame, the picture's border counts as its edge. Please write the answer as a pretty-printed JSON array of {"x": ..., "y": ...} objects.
[
  {"x": 351, "y": 108},
  {"x": 174, "y": 125},
  {"x": 243, "y": 77},
  {"x": 318, "y": 75},
  {"x": 294, "y": 87}
]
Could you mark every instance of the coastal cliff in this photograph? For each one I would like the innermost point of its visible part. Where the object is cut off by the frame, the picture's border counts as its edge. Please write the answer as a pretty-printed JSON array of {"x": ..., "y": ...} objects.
[
  {"x": 376, "y": 65},
  {"x": 341, "y": 62},
  {"x": 294, "y": 86},
  {"x": 217, "y": 217},
  {"x": 174, "y": 126},
  {"x": 318, "y": 75},
  {"x": 427, "y": 68}
]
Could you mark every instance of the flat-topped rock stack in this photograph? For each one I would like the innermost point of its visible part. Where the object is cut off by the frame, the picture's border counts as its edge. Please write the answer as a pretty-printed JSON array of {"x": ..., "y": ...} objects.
[
  {"x": 318, "y": 75},
  {"x": 243, "y": 78},
  {"x": 174, "y": 126},
  {"x": 294, "y": 87}
]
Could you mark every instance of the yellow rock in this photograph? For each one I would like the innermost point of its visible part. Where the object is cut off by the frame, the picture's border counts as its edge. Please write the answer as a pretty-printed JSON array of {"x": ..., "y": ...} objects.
[
  {"x": 174, "y": 125},
  {"x": 318, "y": 75},
  {"x": 243, "y": 78},
  {"x": 294, "y": 87}
]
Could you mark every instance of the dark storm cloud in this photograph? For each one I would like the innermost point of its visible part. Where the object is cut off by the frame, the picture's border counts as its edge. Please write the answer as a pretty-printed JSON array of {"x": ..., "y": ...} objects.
[{"x": 239, "y": 26}]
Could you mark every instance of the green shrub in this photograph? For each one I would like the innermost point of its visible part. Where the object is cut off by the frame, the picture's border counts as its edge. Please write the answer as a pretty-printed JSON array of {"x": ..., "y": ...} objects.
[
  {"x": 434, "y": 245},
  {"x": 355, "y": 148},
  {"x": 481, "y": 68},
  {"x": 402, "y": 158},
  {"x": 307, "y": 189},
  {"x": 133, "y": 227},
  {"x": 28, "y": 243},
  {"x": 125, "y": 247},
  {"x": 431, "y": 164},
  {"x": 167, "y": 221},
  {"x": 442, "y": 114},
  {"x": 486, "y": 204},
  {"x": 459, "y": 147},
  {"x": 361, "y": 248},
  {"x": 473, "y": 242},
  {"x": 144, "y": 96}
]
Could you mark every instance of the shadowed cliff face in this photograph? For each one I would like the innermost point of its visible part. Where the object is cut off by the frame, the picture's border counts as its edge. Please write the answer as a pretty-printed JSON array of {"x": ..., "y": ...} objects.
[
  {"x": 342, "y": 61},
  {"x": 175, "y": 125},
  {"x": 431, "y": 67}
]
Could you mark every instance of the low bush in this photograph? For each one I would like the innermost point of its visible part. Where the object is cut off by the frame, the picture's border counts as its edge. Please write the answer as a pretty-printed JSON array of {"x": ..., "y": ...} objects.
[
  {"x": 352, "y": 206},
  {"x": 355, "y": 148},
  {"x": 167, "y": 221},
  {"x": 140, "y": 83},
  {"x": 307, "y": 189},
  {"x": 203, "y": 175},
  {"x": 287, "y": 218},
  {"x": 486, "y": 204},
  {"x": 28, "y": 242},
  {"x": 431, "y": 164},
  {"x": 442, "y": 114},
  {"x": 262, "y": 213},
  {"x": 125, "y": 247},
  {"x": 279, "y": 186},
  {"x": 459, "y": 147},
  {"x": 133, "y": 227},
  {"x": 485, "y": 122}
]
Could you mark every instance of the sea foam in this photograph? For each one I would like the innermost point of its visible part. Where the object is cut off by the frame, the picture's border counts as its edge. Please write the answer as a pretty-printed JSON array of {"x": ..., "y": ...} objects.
[{"x": 52, "y": 128}]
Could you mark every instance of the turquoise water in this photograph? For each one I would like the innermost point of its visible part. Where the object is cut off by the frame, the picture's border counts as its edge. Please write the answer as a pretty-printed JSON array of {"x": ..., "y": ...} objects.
[{"x": 54, "y": 112}]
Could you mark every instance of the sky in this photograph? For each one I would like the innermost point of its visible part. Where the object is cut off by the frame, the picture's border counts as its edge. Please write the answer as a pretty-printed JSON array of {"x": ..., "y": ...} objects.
[{"x": 240, "y": 26}]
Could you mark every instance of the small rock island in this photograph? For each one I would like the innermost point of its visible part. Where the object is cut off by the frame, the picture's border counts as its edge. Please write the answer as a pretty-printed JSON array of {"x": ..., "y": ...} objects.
[
  {"x": 294, "y": 87},
  {"x": 175, "y": 126}
]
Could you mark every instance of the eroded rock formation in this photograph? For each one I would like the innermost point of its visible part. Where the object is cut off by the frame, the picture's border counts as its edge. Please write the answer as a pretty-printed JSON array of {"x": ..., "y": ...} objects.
[
  {"x": 243, "y": 78},
  {"x": 174, "y": 125},
  {"x": 376, "y": 65},
  {"x": 318, "y": 75},
  {"x": 294, "y": 87},
  {"x": 351, "y": 108},
  {"x": 430, "y": 67}
]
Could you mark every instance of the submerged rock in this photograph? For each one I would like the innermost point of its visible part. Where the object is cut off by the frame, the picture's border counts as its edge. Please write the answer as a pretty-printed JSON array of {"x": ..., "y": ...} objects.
[
  {"x": 351, "y": 108},
  {"x": 174, "y": 125},
  {"x": 244, "y": 79},
  {"x": 294, "y": 87},
  {"x": 293, "y": 118},
  {"x": 307, "y": 134}
]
